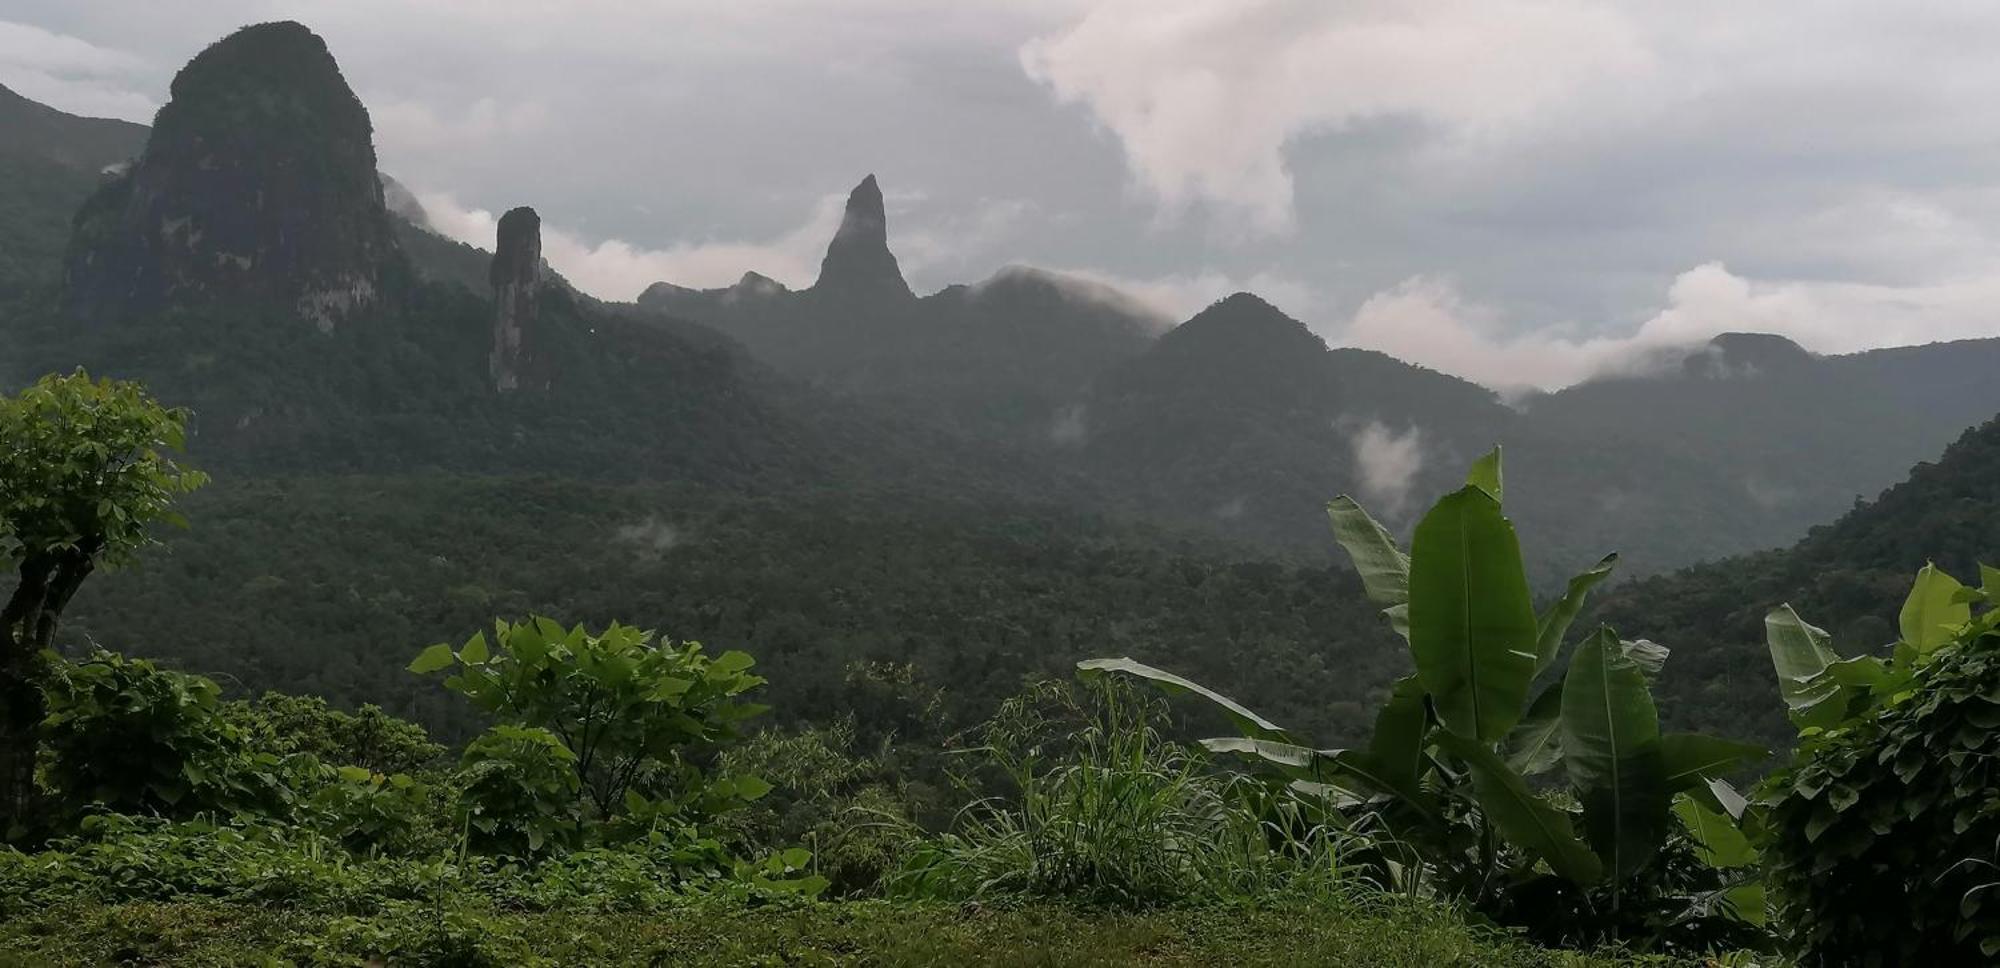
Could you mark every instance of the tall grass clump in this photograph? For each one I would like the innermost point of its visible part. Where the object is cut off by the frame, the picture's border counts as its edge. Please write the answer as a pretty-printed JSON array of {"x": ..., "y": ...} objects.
[{"x": 1100, "y": 806}]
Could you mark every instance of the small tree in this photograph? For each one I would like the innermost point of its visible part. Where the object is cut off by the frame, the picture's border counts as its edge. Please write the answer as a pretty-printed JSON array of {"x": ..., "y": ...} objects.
[
  {"x": 633, "y": 714},
  {"x": 86, "y": 469}
]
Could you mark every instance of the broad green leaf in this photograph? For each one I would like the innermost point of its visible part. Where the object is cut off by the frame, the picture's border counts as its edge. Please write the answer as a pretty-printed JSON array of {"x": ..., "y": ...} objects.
[
  {"x": 1726, "y": 799},
  {"x": 1612, "y": 752},
  {"x": 1526, "y": 820},
  {"x": 474, "y": 651},
  {"x": 1720, "y": 844},
  {"x": 1861, "y": 672},
  {"x": 1472, "y": 623},
  {"x": 1932, "y": 615},
  {"x": 1384, "y": 568},
  {"x": 1485, "y": 475},
  {"x": 1692, "y": 758},
  {"x": 1799, "y": 653},
  {"x": 1989, "y": 579},
  {"x": 1535, "y": 743},
  {"x": 1555, "y": 621},
  {"x": 1398, "y": 742},
  {"x": 1340, "y": 768},
  {"x": 1399, "y": 619},
  {"x": 432, "y": 659},
  {"x": 1247, "y": 721},
  {"x": 1648, "y": 655},
  {"x": 752, "y": 787}
]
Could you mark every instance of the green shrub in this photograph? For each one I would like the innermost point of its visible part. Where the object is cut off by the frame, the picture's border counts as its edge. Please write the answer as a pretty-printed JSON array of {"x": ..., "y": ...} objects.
[
  {"x": 1105, "y": 809},
  {"x": 520, "y": 792},
  {"x": 125, "y": 736},
  {"x": 636, "y": 716},
  {"x": 116, "y": 859},
  {"x": 1448, "y": 775},
  {"x": 368, "y": 738},
  {"x": 1883, "y": 834}
]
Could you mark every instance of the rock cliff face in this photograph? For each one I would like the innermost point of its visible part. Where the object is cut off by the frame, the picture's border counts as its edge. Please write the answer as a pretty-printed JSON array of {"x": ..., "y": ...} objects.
[
  {"x": 517, "y": 284},
  {"x": 858, "y": 263},
  {"x": 257, "y": 187}
]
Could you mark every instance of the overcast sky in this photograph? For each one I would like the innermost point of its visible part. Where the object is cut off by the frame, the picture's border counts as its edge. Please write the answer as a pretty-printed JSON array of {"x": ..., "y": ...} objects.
[{"x": 1519, "y": 191}]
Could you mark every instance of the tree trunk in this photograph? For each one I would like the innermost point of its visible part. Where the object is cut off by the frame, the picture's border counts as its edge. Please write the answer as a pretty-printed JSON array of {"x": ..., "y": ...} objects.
[
  {"x": 28, "y": 626},
  {"x": 20, "y": 698}
]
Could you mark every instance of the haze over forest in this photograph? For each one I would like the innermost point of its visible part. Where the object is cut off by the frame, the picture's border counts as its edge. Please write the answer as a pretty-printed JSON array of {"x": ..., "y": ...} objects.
[
  {"x": 1522, "y": 194},
  {"x": 918, "y": 356}
]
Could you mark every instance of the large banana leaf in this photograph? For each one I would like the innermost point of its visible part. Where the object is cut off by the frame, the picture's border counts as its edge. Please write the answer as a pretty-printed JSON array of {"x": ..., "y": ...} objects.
[
  {"x": 1799, "y": 653},
  {"x": 1535, "y": 743},
  {"x": 1485, "y": 474},
  {"x": 1933, "y": 613},
  {"x": 1346, "y": 770},
  {"x": 1385, "y": 570},
  {"x": 1555, "y": 621},
  {"x": 1525, "y": 820},
  {"x": 1648, "y": 655},
  {"x": 1612, "y": 751},
  {"x": 1400, "y": 727},
  {"x": 1247, "y": 721},
  {"x": 1690, "y": 759},
  {"x": 1472, "y": 622},
  {"x": 1721, "y": 844}
]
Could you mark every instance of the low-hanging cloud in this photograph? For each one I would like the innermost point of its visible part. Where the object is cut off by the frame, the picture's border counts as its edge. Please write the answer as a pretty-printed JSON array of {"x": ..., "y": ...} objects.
[
  {"x": 615, "y": 269},
  {"x": 1388, "y": 461},
  {"x": 84, "y": 78},
  {"x": 1427, "y": 321}
]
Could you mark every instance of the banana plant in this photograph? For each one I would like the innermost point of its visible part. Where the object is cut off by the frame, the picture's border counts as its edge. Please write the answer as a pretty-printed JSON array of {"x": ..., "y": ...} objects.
[
  {"x": 1822, "y": 690},
  {"x": 1459, "y": 748}
]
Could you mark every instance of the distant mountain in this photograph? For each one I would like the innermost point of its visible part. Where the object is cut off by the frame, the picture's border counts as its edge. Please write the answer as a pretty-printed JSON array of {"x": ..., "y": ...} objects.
[
  {"x": 1242, "y": 417},
  {"x": 247, "y": 266},
  {"x": 49, "y": 162},
  {"x": 1000, "y": 359},
  {"x": 257, "y": 185},
  {"x": 1753, "y": 440},
  {"x": 1849, "y": 577},
  {"x": 1239, "y": 420}
]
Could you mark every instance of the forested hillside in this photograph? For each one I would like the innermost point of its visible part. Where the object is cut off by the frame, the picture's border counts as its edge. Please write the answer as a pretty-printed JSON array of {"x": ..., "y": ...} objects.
[{"x": 1848, "y": 577}]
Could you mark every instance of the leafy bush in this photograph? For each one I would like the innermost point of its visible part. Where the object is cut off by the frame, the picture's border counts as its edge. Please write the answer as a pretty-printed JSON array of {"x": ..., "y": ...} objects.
[
  {"x": 520, "y": 791},
  {"x": 1105, "y": 809},
  {"x": 1882, "y": 835},
  {"x": 86, "y": 468},
  {"x": 115, "y": 859},
  {"x": 628, "y": 710},
  {"x": 127, "y": 736},
  {"x": 1448, "y": 771},
  {"x": 368, "y": 738},
  {"x": 379, "y": 813}
]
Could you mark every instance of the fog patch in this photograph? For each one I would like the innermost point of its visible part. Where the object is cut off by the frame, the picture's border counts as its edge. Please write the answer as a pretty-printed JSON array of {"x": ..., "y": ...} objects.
[
  {"x": 1071, "y": 426},
  {"x": 1767, "y": 495},
  {"x": 652, "y": 537},
  {"x": 1232, "y": 509},
  {"x": 1388, "y": 462}
]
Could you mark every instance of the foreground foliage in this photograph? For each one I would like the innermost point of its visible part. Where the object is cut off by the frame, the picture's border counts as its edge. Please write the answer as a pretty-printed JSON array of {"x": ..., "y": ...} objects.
[
  {"x": 1098, "y": 805},
  {"x": 1635, "y": 850},
  {"x": 728, "y": 933},
  {"x": 1893, "y": 803},
  {"x": 86, "y": 468}
]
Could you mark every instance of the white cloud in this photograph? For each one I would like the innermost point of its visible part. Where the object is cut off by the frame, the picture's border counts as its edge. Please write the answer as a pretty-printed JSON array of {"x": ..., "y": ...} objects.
[
  {"x": 615, "y": 269},
  {"x": 1205, "y": 95},
  {"x": 71, "y": 74},
  {"x": 1177, "y": 296},
  {"x": 1425, "y": 320},
  {"x": 1389, "y": 462},
  {"x": 412, "y": 126}
]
